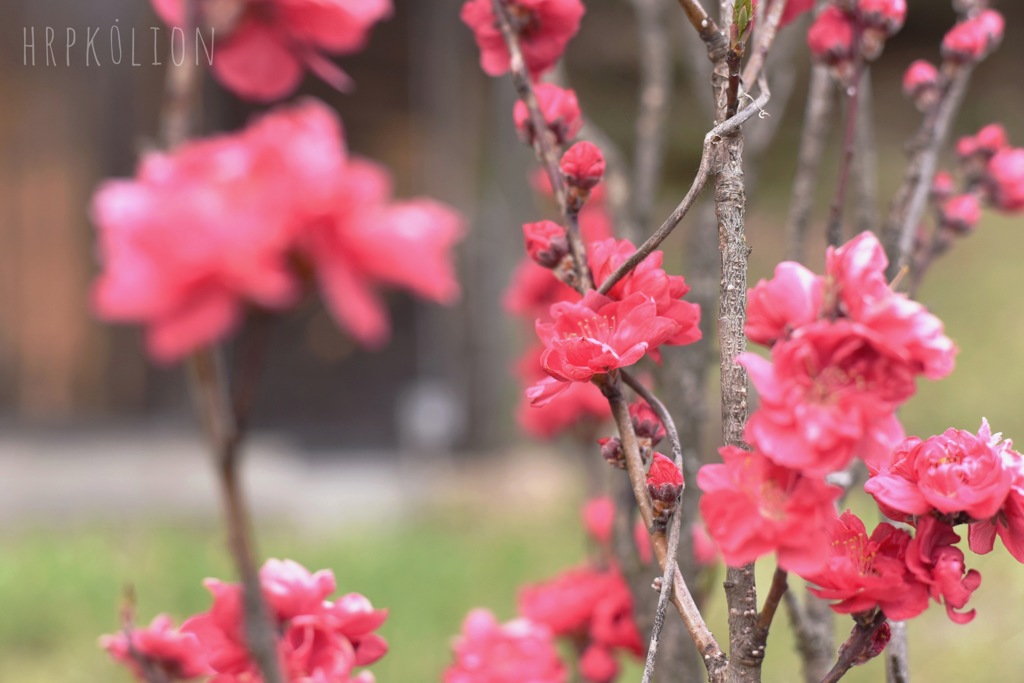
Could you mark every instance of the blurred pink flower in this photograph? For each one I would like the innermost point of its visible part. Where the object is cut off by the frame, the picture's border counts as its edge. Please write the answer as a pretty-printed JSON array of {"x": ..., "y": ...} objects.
[
  {"x": 263, "y": 56},
  {"x": 514, "y": 652},
  {"x": 178, "y": 655}
]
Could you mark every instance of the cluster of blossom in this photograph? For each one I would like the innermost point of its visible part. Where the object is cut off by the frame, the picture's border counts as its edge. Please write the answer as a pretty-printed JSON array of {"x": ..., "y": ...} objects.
[
  {"x": 265, "y": 46},
  {"x": 845, "y": 352},
  {"x": 847, "y": 31},
  {"x": 245, "y": 219},
  {"x": 991, "y": 175},
  {"x": 589, "y": 606},
  {"x": 319, "y": 639}
]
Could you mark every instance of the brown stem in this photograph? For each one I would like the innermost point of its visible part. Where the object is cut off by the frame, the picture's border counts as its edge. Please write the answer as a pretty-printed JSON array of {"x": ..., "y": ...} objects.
[
  {"x": 714, "y": 659},
  {"x": 771, "y": 604},
  {"x": 897, "y": 666},
  {"x": 766, "y": 31},
  {"x": 817, "y": 117},
  {"x": 910, "y": 201},
  {"x": 813, "y": 627},
  {"x": 835, "y": 216},
  {"x": 212, "y": 398},
  {"x": 712, "y": 142},
  {"x": 854, "y": 647},
  {"x": 706, "y": 28},
  {"x": 544, "y": 144},
  {"x": 655, "y": 91}
]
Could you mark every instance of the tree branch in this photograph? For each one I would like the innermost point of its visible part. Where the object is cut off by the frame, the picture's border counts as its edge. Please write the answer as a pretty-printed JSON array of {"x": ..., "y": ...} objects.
[
  {"x": 897, "y": 667},
  {"x": 854, "y": 647},
  {"x": 714, "y": 659},
  {"x": 852, "y": 92},
  {"x": 706, "y": 28},
  {"x": 544, "y": 145},
  {"x": 711, "y": 142}
]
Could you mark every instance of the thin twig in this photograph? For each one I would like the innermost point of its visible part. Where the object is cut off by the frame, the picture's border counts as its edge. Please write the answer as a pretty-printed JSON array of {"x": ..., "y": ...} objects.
[
  {"x": 655, "y": 93},
  {"x": 771, "y": 604},
  {"x": 817, "y": 117},
  {"x": 706, "y": 28},
  {"x": 671, "y": 564},
  {"x": 813, "y": 627},
  {"x": 713, "y": 656},
  {"x": 711, "y": 141},
  {"x": 852, "y": 92},
  {"x": 854, "y": 647},
  {"x": 765, "y": 33},
  {"x": 544, "y": 144},
  {"x": 911, "y": 199},
  {"x": 866, "y": 216}
]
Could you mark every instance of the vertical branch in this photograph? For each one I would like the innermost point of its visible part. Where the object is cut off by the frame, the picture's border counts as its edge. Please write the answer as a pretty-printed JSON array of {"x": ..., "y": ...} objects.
[
  {"x": 543, "y": 143},
  {"x": 212, "y": 397},
  {"x": 835, "y": 216},
  {"x": 910, "y": 200},
  {"x": 897, "y": 669},
  {"x": 655, "y": 91},
  {"x": 813, "y": 627},
  {"x": 866, "y": 161},
  {"x": 817, "y": 118},
  {"x": 211, "y": 394},
  {"x": 766, "y": 31}
]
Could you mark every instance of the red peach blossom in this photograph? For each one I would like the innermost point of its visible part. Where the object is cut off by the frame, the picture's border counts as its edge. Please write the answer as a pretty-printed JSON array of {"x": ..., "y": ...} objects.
[
  {"x": 1006, "y": 172},
  {"x": 178, "y": 655},
  {"x": 578, "y": 402},
  {"x": 514, "y": 652},
  {"x": 830, "y": 37},
  {"x": 989, "y": 140},
  {"x": 583, "y": 165},
  {"x": 561, "y": 112},
  {"x": 1008, "y": 524},
  {"x": 778, "y": 306},
  {"x": 546, "y": 243},
  {"x": 290, "y": 590},
  {"x": 544, "y": 28},
  {"x": 664, "y": 479},
  {"x": 646, "y": 422},
  {"x": 264, "y": 55},
  {"x": 974, "y": 38},
  {"x": 793, "y": 10},
  {"x": 885, "y": 15},
  {"x": 932, "y": 558},
  {"x": 919, "y": 77},
  {"x": 753, "y": 507},
  {"x": 534, "y": 290},
  {"x": 863, "y": 573},
  {"x": 961, "y": 213}
]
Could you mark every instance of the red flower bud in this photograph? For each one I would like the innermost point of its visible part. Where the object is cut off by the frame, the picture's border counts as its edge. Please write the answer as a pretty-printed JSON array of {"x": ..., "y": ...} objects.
[
  {"x": 879, "y": 639},
  {"x": 961, "y": 214},
  {"x": 583, "y": 165},
  {"x": 830, "y": 37},
  {"x": 919, "y": 84},
  {"x": 611, "y": 450},
  {"x": 989, "y": 140},
  {"x": 546, "y": 242},
  {"x": 973, "y": 39},
  {"x": 560, "y": 108},
  {"x": 885, "y": 15},
  {"x": 1006, "y": 173},
  {"x": 646, "y": 423},
  {"x": 943, "y": 186},
  {"x": 664, "y": 479}
]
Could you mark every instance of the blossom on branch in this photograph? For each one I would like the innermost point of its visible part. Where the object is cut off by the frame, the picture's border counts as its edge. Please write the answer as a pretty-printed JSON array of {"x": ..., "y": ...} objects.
[
  {"x": 932, "y": 558},
  {"x": 265, "y": 51},
  {"x": 753, "y": 507},
  {"x": 544, "y": 28},
  {"x": 561, "y": 112},
  {"x": 1006, "y": 175},
  {"x": 489, "y": 652},
  {"x": 974, "y": 38},
  {"x": 175, "y": 654}
]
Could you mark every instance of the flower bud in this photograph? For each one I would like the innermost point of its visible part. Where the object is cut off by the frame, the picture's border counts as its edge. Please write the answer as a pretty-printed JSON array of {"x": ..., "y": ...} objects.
[
  {"x": 973, "y": 39},
  {"x": 546, "y": 242},
  {"x": 830, "y": 37},
  {"x": 989, "y": 140},
  {"x": 920, "y": 84},
  {"x": 1006, "y": 175},
  {"x": 560, "y": 109},
  {"x": 876, "y": 645},
  {"x": 583, "y": 165},
  {"x": 961, "y": 214},
  {"x": 943, "y": 186},
  {"x": 646, "y": 423},
  {"x": 664, "y": 480},
  {"x": 611, "y": 451},
  {"x": 885, "y": 15}
]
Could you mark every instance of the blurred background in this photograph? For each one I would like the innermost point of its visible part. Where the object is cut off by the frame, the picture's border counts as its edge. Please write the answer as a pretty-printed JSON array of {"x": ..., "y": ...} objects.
[{"x": 403, "y": 469}]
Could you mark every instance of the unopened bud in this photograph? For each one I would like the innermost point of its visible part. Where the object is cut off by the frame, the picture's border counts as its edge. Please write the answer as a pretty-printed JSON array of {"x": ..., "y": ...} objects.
[
  {"x": 646, "y": 423},
  {"x": 546, "y": 242},
  {"x": 559, "y": 108},
  {"x": 664, "y": 484},
  {"x": 920, "y": 84},
  {"x": 611, "y": 451},
  {"x": 973, "y": 39},
  {"x": 961, "y": 214}
]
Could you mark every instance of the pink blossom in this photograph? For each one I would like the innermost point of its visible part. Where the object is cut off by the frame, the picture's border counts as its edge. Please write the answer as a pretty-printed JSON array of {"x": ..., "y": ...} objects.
[
  {"x": 577, "y": 403},
  {"x": 599, "y": 518},
  {"x": 1006, "y": 173},
  {"x": 368, "y": 240},
  {"x": 178, "y": 655},
  {"x": 534, "y": 290},
  {"x": 955, "y": 472},
  {"x": 544, "y": 28},
  {"x": 921, "y": 75},
  {"x": 664, "y": 479},
  {"x": 705, "y": 550},
  {"x": 265, "y": 53},
  {"x": 776, "y": 307},
  {"x": 973, "y": 39},
  {"x": 546, "y": 243},
  {"x": 932, "y": 558},
  {"x": 648, "y": 278},
  {"x": 514, "y": 652},
  {"x": 863, "y": 573},
  {"x": 1008, "y": 524},
  {"x": 753, "y": 507},
  {"x": 989, "y": 140},
  {"x": 242, "y": 198},
  {"x": 961, "y": 213},
  {"x": 290, "y": 590},
  {"x": 583, "y": 165},
  {"x": 646, "y": 422},
  {"x": 598, "y": 335},
  {"x": 830, "y": 37},
  {"x": 561, "y": 112},
  {"x": 793, "y": 10},
  {"x": 886, "y": 15},
  {"x": 827, "y": 396}
]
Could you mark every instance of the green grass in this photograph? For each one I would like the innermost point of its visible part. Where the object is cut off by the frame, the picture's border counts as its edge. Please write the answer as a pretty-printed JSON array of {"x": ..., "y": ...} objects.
[{"x": 60, "y": 590}]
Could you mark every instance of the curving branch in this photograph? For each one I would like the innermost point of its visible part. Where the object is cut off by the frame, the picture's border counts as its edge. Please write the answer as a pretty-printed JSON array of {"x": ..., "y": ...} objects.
[
  {"x": 855, "y": 647},
  {"x": 712, "y": 142}
]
